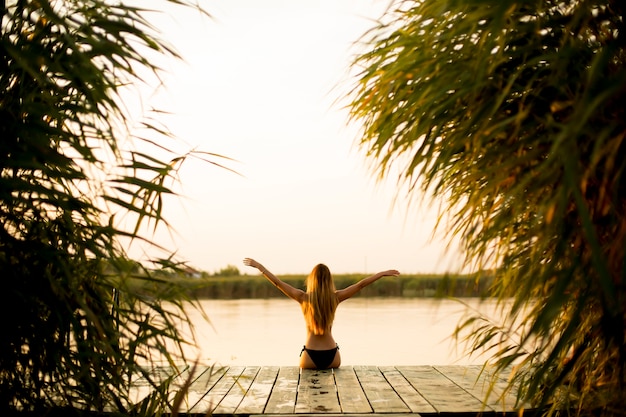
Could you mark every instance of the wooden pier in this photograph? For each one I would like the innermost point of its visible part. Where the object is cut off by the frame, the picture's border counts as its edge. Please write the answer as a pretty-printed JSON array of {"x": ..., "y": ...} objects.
[{"x": 349, "y": 390}]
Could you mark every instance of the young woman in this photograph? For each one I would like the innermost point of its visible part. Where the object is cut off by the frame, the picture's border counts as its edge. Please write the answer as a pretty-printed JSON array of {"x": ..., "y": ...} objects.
[{"x": 319, "y": 304}]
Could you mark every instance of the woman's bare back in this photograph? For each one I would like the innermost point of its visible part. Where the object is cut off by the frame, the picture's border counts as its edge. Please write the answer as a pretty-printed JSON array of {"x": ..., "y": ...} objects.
[{"x": 320, "y": 347}]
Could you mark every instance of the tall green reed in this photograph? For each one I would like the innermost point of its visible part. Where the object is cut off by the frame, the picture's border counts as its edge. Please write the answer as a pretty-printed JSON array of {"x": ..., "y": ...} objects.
[
  {"x": 76, "y": 185},
  {"x": 510, "y": 113}
]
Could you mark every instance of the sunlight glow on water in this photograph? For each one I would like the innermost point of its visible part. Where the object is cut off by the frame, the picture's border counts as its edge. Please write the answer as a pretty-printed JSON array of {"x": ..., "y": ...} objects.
[{"x": 369, "y": 331}]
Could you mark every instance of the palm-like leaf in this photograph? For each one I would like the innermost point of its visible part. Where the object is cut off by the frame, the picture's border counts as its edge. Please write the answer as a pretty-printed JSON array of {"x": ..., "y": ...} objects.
[
  {"x": 63, "y": 175},
  {"x": 512, "y": 111}
]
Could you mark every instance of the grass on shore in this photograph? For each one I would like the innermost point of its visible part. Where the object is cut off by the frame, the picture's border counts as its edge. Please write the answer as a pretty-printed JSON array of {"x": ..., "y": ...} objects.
[{"x": 256, "y": 286}]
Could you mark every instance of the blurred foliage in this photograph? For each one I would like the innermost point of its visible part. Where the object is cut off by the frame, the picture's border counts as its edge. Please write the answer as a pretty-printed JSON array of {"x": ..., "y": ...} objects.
[
  {"x": 228, "y": 271},
  {"x": 256, "y": 286},
  {"x": 512, "y": 112},
  {"x": 73, "y": 332}
]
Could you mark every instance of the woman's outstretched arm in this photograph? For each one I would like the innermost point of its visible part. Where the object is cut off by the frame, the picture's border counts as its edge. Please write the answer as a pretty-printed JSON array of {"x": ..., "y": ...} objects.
[
  {"x": 287, "y": 289},
  {"x": 355, "y": 288}
]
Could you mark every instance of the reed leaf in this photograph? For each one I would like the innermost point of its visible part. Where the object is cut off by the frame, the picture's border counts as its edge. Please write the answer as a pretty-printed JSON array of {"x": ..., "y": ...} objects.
[
  {"x": 511, "y": 112},
  {"x": 76, "y": 327}
]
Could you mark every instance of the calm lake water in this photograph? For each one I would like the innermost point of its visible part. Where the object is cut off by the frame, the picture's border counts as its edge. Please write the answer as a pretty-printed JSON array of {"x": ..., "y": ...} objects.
[{"x": 369, "y": 331}]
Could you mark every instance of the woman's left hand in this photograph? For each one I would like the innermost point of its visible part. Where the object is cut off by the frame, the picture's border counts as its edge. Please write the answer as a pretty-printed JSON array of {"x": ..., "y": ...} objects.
[{"x": 251, "y": 262}]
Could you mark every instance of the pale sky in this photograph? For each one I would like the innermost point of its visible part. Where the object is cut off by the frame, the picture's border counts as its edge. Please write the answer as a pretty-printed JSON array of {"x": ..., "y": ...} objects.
[{"x": 259, "y": 85}]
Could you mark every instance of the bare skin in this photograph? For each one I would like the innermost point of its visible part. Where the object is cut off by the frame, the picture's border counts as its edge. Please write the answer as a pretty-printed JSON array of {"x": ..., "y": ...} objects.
[{"x": 326, "y": 340}]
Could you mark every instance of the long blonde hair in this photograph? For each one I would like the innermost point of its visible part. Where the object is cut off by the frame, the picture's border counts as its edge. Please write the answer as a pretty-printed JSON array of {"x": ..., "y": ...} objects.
[{"x": 321, "y": 301}]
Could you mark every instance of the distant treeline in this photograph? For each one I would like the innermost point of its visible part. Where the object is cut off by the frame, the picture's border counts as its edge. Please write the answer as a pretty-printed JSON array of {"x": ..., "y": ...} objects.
[{"x": 427, "y": 285}]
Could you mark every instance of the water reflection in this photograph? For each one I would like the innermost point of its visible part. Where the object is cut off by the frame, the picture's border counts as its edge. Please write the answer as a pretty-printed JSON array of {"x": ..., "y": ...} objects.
[{"x": 370, "y": 331}]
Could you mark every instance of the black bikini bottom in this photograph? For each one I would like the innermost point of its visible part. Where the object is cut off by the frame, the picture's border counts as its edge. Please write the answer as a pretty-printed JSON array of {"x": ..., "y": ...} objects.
[{"x": 321, "y": 358}]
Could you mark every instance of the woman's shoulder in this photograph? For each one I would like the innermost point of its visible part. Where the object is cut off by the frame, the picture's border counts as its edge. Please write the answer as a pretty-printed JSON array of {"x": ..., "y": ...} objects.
[{"x": 301, "y": 296}]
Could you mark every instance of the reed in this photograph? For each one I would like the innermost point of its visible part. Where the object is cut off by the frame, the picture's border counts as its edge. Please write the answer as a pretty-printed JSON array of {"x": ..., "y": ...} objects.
[
  {"x": 75, "y": 330},
  {"x": 509, "y": 115},
  {"x": 253, "y": 286}
]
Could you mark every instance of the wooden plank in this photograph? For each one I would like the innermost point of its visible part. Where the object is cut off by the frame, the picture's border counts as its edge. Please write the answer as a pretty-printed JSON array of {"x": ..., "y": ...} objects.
[
  {"x": 235, "y": 395},
  {"x": 257, "y": 396},
  {"x": 352, "y": 398},
  {"x": 501, "y": 383},
  {"x": 283, "y": 397},
  {"x": 350, "y": 390},
  {"x": 207, "y": 378},
  {"x": 140, "y": 387},
  {"x": 381, "y": 395},
  {"x": 443, "y": 394},
  {"x": 209, "y": 402},
  {"x": 316, "y": 392},
  {"x": 481, "y": 386},
  {"x": 412, "y": 398}
]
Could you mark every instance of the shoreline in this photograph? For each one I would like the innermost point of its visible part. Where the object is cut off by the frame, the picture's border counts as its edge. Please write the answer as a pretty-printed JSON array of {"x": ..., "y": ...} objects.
[{"x": 409, "y": 286}]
